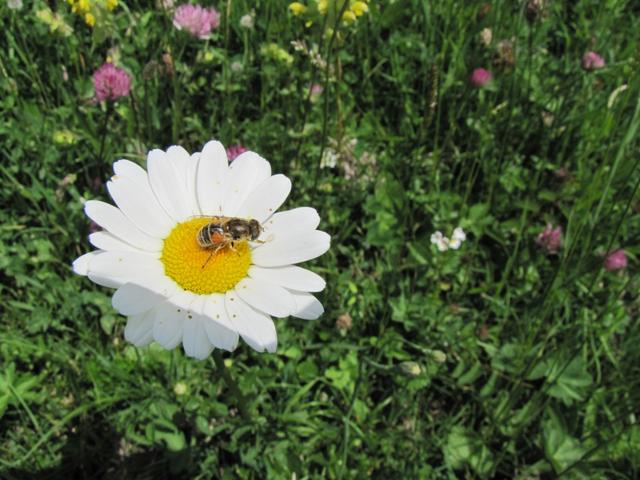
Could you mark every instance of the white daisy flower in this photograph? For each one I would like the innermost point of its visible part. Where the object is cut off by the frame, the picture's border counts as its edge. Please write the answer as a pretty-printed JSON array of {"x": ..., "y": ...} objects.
[{"x": 175, "y": 290}]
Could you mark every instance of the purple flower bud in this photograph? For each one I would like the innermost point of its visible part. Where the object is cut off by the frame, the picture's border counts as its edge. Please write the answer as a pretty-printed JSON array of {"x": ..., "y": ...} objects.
[
  {"x": 592, "y": 61},
  {"x": 234, "y": 150},
  {"x": 550, "y": 238},
  {"x": 480, "y": 77}
]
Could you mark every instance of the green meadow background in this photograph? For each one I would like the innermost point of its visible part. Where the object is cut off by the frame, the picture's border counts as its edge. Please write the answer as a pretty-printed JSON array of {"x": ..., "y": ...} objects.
[{"x": 497, "y": 360}]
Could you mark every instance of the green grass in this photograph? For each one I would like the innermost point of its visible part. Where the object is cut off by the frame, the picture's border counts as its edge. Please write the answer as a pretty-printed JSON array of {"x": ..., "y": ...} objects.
[{"x": 493, "y": 361}]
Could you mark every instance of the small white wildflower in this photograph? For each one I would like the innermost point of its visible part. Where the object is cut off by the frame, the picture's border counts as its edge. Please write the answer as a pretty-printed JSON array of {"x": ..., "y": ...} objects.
[
  {"x": 443, "y": 243},
  {"x": 486, "y": 35},
  {"x": 14, "y": 4},
  {"x": 247, "y": 21},
  {"x": 329, "y": 159},
  {"x": 457, "y": 238},
  {"x": 459, "y": 234},
  {"x": 440, "y": 240},
  {"x": 454, "y": 243},
  {"x": 237, "y": 67}
]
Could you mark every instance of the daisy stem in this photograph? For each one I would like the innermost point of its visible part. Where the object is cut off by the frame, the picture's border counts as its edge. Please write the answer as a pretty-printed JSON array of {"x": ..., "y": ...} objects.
[{"x": 233, "y": 386}]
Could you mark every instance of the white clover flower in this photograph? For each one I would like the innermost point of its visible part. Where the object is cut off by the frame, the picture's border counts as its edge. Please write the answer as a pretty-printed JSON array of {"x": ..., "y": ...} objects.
[
  {"x": 247, "y": 21},
  {"x": 14, "y": 4},
  {"x": 172, "y": 289},
  {"x": 237, "y": 67}
]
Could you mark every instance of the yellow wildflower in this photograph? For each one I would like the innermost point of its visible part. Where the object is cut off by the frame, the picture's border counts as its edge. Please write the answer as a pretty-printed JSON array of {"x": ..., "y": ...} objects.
[
  {"x": 112, "y": 4},
  {"x": 89, "y": 19},
  {"x": 297, "y": 8},
  {"x": 348, "y": 17},
  {"x": 64, "y": 137},
  {"x": 83, "y": 6},
  {"x": 274, "y": 52},
  {"x": 359, "y": 8},
  {"x": 323, "y": 6},
  {"x": 55, "y": 22}
]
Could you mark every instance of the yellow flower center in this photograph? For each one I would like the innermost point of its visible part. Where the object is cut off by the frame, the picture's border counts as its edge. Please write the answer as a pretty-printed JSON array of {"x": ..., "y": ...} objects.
[{"x": 203, "y": 270}]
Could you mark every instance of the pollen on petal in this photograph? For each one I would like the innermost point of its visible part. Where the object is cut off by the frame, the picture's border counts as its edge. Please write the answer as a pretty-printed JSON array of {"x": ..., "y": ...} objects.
[{"x": 203, "y": 270}]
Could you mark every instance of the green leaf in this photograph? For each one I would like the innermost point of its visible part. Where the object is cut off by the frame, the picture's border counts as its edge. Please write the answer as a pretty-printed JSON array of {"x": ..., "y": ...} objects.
[
  {"x": 560, "y": 448},
  {"x": 465, "y": 448}
]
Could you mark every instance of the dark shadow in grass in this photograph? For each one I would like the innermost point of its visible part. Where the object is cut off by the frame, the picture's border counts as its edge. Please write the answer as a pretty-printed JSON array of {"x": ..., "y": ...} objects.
[{"x": 95, "y": 451}]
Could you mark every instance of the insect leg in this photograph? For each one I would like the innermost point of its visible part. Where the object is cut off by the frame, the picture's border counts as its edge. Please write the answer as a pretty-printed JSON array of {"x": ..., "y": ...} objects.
[{"x": 213, "y": 252}]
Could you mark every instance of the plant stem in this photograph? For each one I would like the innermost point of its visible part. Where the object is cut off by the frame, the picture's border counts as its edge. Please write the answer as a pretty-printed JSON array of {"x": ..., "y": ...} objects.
[
  {"x": 103, "y": 133},
  {"x": 233, "y": 386},
  {"x": 177, "y": 98},
  {"x": 325, "y": 112}
]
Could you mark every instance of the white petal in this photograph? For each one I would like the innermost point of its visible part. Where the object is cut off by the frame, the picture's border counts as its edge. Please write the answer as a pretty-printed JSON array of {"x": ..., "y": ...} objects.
[
  {"x": 454, "y": 243},
  {"x": 443, "y": 244},
  {"x": 291, "y": 249},
  {"x": 109, "y": 282},
  {"x": 266, "y": 297},
  {"x": 106, "y": 241},
  {"x": 179, "y": 158},
  {"x": 105, "y": 280},
  {"x": 133, "y": 299},
  {"x": 266, "y": 198},
  {"x": 211, "y": 178},
  {"x": 291, "y": 277},
  {"x": 307, "y": 306},
  {"x": 192, "y": 172},
  {"x": 124, "y": 264},
  {"x": 115, "y": 222},
  {"x": 220, "y": 330},
  {"x": 113, "y": 269},
  {"x": 214, "y": 308},
  {"x": 140, "y": 205},
  {"x": 255, "y": 328},
  {"x": 139, "y": 329},
  {"x": 195, "y": 342},
  {"x": 301, "y": 219},
  {"x": 129, "y": 169},
  {"x": 458, "y": 234},
  {"x": 185, "y": 167},
  {"x": 246, "y": 172},
  {"x": 168, "y": 185},
  {"x": 81, "y": 264},
  {"x": 168, "y": 326}
]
